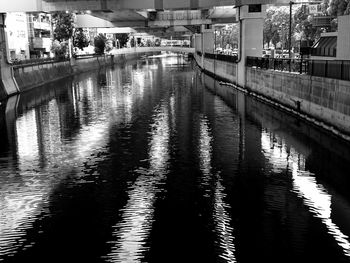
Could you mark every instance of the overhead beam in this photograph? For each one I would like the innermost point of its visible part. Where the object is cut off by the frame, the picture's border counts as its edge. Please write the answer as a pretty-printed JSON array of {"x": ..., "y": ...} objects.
[
  {"x": 224, "y": 20},
  {"x": 169, "y": 23},
  {"x": 100, "y": 5}
]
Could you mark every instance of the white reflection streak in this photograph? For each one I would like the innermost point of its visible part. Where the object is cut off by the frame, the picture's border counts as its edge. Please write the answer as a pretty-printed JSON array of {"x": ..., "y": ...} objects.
[
  {"x": 16, "y": 208},
  {"x": 27, "y": 139},
  {"x": 314, "y": 195},
  {"x": 172, "y": 110},
  {"x": 221, "y": 215},
  {"x": 139, "y": 80},
  {"x": 137, "y": 218},
  {"x": 22, "y": 201}
]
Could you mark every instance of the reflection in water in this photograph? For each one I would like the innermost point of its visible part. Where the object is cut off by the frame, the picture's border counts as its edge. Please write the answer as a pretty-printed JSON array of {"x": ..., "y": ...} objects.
[
  {"x": 141, "y": 162},
  {"x": 221, "y": 216},
  {"x": 314, "y": 195},
  {"x": 27, "y": 139},
  {"x": 45, "y": 157},
  {"x": 137, "y": 215}
]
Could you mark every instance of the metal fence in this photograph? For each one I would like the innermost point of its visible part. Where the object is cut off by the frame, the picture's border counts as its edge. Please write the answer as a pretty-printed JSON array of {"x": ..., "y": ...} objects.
[
  {"x": 35, "y": 61},
  {"x": 221, "y": 57},
  {"x": 336, "y": 69}
]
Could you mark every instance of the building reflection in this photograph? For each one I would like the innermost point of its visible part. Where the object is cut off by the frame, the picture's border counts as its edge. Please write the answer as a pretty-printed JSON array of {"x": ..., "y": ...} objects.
[
  {"x": 289, "y": 145},
  {"x": 56, "y": 132}
]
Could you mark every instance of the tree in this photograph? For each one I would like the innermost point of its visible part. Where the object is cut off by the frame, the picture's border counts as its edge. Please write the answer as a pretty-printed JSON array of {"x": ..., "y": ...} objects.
[
  {"x": 303, "y": 25},
  {"x": 271, "y": 29},
  {"x": 227, "y": 37},
  {"x": 276, "y": 27},
  {"x": 60, "y": 49},
  {"x": 339, "y": 7},
  {"x": 81, "y": 39},
  {"x": 122, "y": 38},
  {"x": 100, "y": 44},
  {"x": 63, "y": 24}
]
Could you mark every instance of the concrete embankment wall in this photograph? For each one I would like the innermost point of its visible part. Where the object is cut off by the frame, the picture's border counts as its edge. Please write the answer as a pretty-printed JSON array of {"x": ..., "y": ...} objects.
[
  {"x": 327, "y": 100},
  {"x": 323, "y": 101},
  {"x": 226, "y": 71},
  {"x": 91, "y": 63},
  {"x": 26, "y": 77},
  {"x": 29, "y": 76}
]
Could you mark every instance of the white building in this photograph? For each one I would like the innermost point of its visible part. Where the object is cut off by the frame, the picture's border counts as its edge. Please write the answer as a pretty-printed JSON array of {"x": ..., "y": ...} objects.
[{"x": 17, "y": 35}]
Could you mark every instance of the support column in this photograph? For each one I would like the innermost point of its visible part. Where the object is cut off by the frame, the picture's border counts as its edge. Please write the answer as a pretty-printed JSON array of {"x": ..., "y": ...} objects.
[
  {"x": 198, "y": 47},
  {"x": 208, "y": 39},
  {"x": 251, "y": 18},
  {"x": 7, "y": 82}
]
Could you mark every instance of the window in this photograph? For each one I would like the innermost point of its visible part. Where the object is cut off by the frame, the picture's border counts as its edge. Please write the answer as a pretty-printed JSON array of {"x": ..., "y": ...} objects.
[{"x": 254, "y": 8}]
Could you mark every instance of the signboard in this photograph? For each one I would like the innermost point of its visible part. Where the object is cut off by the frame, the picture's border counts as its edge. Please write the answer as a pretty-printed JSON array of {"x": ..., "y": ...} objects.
[{"x": 315, "y": 9}]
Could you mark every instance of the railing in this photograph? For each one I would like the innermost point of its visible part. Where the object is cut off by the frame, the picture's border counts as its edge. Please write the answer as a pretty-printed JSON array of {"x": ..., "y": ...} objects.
[
  {"x": 221, "y": 57},
  {"x": 35, "y": 61},
  {"x": 283, "y": 64},
  {"x": 336, "y": 69}
]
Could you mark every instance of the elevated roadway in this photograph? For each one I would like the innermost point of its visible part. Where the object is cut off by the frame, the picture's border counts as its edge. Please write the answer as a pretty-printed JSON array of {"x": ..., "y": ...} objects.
[{"x": 115, "y": 5}]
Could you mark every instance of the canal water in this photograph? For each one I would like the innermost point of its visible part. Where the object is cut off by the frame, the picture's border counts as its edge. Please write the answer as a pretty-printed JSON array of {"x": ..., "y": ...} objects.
[{"x": 153, "y": 161}]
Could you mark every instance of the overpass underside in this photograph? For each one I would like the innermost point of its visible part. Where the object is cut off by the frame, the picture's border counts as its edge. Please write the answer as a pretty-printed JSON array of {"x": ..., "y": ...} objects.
[{"x": 157, "y": 19}]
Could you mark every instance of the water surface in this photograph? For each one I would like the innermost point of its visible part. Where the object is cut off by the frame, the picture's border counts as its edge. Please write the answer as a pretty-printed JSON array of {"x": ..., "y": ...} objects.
[{"x": 153, "y": 161}]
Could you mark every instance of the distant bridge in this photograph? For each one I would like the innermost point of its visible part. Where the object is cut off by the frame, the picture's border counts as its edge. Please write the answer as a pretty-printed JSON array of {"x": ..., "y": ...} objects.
[{"x": 175, "y": 49}]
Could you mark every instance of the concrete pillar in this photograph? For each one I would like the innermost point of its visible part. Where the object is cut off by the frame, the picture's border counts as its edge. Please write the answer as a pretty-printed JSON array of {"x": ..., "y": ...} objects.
[
  {"x": 251, "y": 19},
  {"x": 208, "y": 40},
  {"x": 7, "y": 83}
]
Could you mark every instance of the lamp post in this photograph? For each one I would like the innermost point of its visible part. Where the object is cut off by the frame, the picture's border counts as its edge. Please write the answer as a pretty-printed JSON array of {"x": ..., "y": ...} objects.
[
  {"x": 282, "y": 36},
  {"x": 290, "y": 29}
]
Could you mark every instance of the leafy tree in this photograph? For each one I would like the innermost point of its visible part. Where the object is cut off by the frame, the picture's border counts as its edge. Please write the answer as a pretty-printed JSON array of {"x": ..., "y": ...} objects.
[
  {"x": 100, "y": 44},
  {"x": 339, "y": 7},
  {"x": 303, "y": 25},
  {"x": 227, "y": 36},
  {"x": 122, "y": 38},
  {"x": 63, "y": 24},
  {"x": 271, "y": 29},
  {"x": 60, "y": 49},
  {"x": 276, "y": 26},
  {"x": 81, "y": 39}
]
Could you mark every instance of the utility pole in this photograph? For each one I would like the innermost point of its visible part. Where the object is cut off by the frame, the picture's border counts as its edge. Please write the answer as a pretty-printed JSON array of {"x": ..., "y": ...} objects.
[{"x": 290, "y": 30}]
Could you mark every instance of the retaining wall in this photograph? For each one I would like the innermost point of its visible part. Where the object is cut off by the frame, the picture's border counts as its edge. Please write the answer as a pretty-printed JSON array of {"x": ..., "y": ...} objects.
[
  {"x": 323, "y": 101},
  {"x": 226, "y": 71},
  {"x": 28, "y": 76}
]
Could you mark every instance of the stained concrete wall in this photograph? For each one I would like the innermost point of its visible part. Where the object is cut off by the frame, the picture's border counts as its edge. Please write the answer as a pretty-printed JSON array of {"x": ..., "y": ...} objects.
[
  {"x": 226, "y": 71},
  {"x": 27, "y": 76},
  {"x": 325, "y": 99}
]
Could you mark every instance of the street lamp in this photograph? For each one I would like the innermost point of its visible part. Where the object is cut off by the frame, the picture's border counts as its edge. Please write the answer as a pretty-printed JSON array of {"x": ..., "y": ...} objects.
[
  {"x": 282, "y": 36},
  {"x": 290, "y": 29}
]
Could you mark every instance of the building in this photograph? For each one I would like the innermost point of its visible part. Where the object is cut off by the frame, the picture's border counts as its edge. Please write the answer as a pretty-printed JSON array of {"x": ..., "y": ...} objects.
[
  {"x": 17, "y": 36},
  {"x": 40, "y": 34}
]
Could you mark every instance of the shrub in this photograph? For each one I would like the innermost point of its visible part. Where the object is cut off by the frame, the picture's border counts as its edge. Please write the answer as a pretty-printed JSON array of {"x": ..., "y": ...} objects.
[
  {"x": 60, "y": 49},
  {"x": 100, "y": 44}
]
